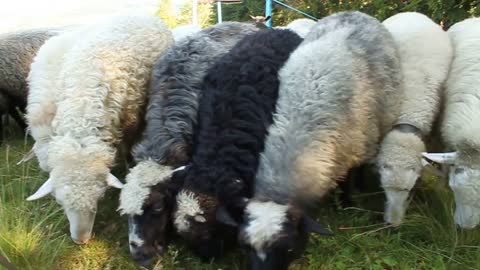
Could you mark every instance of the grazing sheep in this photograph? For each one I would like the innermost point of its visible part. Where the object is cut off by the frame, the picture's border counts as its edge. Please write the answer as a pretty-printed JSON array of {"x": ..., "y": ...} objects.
[
  {"x": 239, "y": 96},
  {"x": 184, "y": 31},
  {"x": 17, "y": 50},
  {"x": 299, "y": 26},
  {"x": 103, "y": 81},
  {"x": 337, "y": 97},
  {"x": 461, "y": 125},
  {"x": 425, "y": 55},
  {"x": 171, "y": 117}
]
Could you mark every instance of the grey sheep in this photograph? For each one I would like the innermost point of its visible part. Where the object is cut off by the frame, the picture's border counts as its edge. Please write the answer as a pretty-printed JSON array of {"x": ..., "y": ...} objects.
[{"x": 17, "y": 50}]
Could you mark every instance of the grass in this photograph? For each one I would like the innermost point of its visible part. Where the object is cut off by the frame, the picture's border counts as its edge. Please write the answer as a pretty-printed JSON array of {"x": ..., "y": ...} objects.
[{"x": 34, "y": 235}]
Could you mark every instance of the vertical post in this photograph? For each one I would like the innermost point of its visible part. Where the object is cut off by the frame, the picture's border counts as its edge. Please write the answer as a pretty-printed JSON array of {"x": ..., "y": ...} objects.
[
  {"x": 268, "y": 12},
  {"x": 195, "y": 12},
  {"x": 219, "y": 11}
]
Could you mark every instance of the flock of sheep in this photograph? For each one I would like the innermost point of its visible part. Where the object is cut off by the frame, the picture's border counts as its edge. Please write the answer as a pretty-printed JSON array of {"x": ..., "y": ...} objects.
[{"x": 233, "y": 131}]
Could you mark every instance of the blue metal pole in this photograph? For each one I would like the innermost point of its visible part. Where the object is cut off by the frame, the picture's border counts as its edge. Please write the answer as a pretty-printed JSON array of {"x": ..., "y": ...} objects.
[
  {"x": 219, "y": 11},
  {"x": 268, "y": 12}
]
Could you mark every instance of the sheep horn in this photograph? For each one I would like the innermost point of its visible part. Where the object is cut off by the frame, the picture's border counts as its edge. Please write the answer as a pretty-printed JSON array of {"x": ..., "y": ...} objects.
[
  {"x": 113, "y": 181},
  {"x": 26, "y": 157},
  {"x": 43, "y": 191},
  {"x": 443, "y": 158}
]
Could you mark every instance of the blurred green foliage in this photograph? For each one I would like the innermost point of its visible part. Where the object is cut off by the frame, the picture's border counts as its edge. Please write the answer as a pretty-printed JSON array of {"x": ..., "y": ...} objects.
[{"x": 444, "y": 12}]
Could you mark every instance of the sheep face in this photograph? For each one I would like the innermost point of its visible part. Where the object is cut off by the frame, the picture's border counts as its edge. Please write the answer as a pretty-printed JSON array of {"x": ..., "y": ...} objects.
[
  {"x": 79, "y": 177},
  {"x": 147, "y": 232},
  {"x": 275, "y": 234},
  {"x": 397, "y": 182},
  {"x": 464, "y": 180},
  {"x": 195, "y": 220},
  {"x": 400, "y": 166},
  {"x": 465, "y": 183}
]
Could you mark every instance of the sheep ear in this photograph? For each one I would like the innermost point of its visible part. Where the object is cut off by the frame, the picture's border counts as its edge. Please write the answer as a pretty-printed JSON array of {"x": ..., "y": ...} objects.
[
  {"x": 43, "y": 191},
  {"x": 267, "y": 18},
  {"x": 179, "y": 169},
  {"x": 314, "y": 227},
  {"x": 113, "y": 181},
  {"x": 252, "y": 17},
  {"x": 443, "y": 158},
  {"x": 224, "y": 217}
]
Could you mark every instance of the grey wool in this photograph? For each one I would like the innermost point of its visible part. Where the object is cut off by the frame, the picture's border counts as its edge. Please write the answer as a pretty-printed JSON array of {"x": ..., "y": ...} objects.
[
  {"x": 338, "y": 97},
  {"x": 17, "y": 50}
]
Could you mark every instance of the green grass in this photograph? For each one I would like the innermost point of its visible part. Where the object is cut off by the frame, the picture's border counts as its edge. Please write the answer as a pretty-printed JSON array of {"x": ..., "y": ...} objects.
[{"x": 34, "y": 235}]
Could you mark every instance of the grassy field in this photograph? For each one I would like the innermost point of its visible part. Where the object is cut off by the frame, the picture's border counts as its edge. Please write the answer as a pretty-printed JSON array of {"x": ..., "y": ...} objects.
[{"x": 34, "y": 235}]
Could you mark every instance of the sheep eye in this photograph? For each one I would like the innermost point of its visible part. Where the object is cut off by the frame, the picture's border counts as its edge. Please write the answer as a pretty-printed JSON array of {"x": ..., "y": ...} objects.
[{"x": 200, "y": 219}]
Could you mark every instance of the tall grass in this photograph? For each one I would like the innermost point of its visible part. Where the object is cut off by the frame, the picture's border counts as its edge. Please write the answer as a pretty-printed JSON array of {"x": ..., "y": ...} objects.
[{"x": 34, "y": 235}]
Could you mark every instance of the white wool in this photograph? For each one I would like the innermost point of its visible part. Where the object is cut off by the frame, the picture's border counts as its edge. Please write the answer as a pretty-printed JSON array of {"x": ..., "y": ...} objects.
[
  {"x": 187, "y": 206},
  {"x": 140, "y": 179},
  {"x": 266, "y": 220},
  {"x": 103, "y": 82},
  {"x": 45, "y": 90}
]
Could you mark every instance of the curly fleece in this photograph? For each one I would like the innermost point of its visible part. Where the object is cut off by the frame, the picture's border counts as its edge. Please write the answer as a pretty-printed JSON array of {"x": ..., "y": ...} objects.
[
  {"x": 104, "y": 80},
  {"x": 45, "y": 91}
]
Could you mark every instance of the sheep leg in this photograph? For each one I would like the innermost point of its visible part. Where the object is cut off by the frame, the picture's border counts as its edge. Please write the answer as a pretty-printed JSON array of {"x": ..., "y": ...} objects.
[
  {"x": 347, "y": 186},
  {"x": 18, "y": 118}
]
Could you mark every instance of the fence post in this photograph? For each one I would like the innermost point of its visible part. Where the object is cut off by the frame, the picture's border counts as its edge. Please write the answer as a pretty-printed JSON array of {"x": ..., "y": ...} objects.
[
  {"x": 268, "y": 12},
  {"x": 219, "y": 11}
]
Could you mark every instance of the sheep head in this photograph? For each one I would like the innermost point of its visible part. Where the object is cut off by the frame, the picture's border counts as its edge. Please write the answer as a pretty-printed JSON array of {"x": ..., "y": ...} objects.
[
  {"x": 79, "y": 177},
  {"x": 195, "y": 220},
  {"x": 464, "y": 180},
  {"x": 275, "y": 233},
  {"x": 147, "y": 199}
]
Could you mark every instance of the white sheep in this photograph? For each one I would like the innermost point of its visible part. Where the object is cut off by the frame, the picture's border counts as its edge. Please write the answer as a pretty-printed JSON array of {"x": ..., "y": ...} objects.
[
  {"x": 425, "y": 54},
  {"x": 461, "y": 123},
  {"x": 103, "y": 82}
]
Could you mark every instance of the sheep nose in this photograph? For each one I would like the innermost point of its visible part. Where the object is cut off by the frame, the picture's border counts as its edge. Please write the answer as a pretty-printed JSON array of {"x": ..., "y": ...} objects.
[{"x": 143, "y": 255}]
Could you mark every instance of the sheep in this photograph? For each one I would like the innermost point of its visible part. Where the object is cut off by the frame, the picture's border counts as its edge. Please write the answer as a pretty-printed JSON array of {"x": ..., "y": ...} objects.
[
  {"x": 236, "y": 107},
  {"x": 425, "y": 55},
  {"x": 17, "y": 50},
  {"x": 103, "y": 81},
  {"x": 460, "y": 126},
  {"x": 171, "y": 117},
  {"x": 183, "y": 31},
  {"x": 337, "y": 98},
  {"x": 299, "y": 26}
]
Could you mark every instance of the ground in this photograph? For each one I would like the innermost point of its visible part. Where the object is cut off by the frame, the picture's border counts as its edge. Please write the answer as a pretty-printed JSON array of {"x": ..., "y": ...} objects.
[{"x": 34, "y": 235}]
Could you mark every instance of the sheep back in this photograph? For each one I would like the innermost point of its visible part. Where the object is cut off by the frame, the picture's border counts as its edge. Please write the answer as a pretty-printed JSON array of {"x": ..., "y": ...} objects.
[{"x": 336, "y": 98}]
